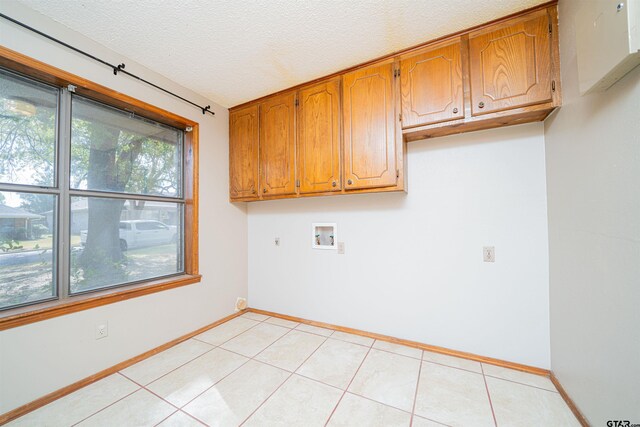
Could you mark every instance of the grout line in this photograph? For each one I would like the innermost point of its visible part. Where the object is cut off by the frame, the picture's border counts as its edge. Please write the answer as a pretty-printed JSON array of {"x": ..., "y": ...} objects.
[
  {"x": 191, "y": 416},
  {"x": 493, "y": 414},
  {"x": 287, "y": 379},
  {"x": 166, "y": 418},
  {"x": 378, "y": 402},
  {"x": 415, "y": 396},
  {"x": 111, "y": 404},
  {"x": 521, "y": 383},
  {"x": 310, "y": 332},
  {"x": 453, "y": 367},
  {"x": 150, "y": 391},
  {"x": 167, "y": 373},
  {"x": 393, "y": 352},
  {"x": 217, "y": 382},
  {"x": 348, "y": 385}
]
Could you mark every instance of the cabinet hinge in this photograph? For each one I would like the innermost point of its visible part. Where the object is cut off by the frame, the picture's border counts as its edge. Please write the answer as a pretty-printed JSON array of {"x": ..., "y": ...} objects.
[
  {"x": 553, "y": 85},
  {"x": 400, "y": 117},
  {"x": 550, "y": 28},
  {"x": 297, "y": 183},
  {"x": 396, "y": 73},
  {"x": 297, "y": 102},
  {"x": 397, "y": 173}
]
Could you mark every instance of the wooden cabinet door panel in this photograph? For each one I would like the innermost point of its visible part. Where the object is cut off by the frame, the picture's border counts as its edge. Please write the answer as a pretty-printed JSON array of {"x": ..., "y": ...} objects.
[
  {"x": 277, "y": 145},
  {"x": 432, "y": 88},
  {"x": 369, "y": 127},
  {"x": 510, "y": 65},
  {"x": 243, "y": 153},
  {"x": 319, "y": 138}
]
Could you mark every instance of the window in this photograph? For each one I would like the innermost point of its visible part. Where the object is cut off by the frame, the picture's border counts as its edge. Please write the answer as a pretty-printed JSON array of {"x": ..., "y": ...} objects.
[{"x": 95, "y": 199}]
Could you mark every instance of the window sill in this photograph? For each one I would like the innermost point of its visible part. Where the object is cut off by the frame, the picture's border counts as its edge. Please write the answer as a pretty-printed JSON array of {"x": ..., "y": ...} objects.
[{"x": 47, "y": 310}]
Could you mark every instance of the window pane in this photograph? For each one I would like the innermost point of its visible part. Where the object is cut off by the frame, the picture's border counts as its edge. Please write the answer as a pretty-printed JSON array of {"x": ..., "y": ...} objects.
[
  {"x": 120, "y": 241},
  {"x": 113, "y": 151},
  {"x": 27, "y": 227},
  {"x": 27, "y": 131}
]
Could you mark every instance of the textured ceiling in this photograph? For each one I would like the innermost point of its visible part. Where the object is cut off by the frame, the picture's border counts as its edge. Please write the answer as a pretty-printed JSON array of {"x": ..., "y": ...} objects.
[{"x": 233, "y": 51}]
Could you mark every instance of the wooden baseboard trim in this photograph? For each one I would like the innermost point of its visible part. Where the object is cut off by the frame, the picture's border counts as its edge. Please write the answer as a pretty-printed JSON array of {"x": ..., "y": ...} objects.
[
  {"x": 408, "y": 343},
  {"x": 31, "y": 406},
  {"x": 581, "y": 418},
  {"x": 44, "y": 400}
]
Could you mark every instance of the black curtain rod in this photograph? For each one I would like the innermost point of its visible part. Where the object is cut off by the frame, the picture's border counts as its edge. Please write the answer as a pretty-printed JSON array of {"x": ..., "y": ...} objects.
[{"x": 116, "y": 68}]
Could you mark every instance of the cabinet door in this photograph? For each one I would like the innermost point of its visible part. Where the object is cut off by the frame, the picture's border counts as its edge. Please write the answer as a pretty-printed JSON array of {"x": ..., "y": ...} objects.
[
  {"x": 432, "y": 88},
  {"x": 369, "y": 127},
  {"x": 319, "y": 137},
  {"x": 243, "y": 153},
  {"x": 510, "y": 64},
  {"x": 277, "y": 145}
]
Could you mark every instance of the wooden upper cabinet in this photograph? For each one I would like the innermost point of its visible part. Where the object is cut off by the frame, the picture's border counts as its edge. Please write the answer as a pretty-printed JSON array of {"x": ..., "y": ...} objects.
[
  {"x": 319, "y": 137},
  {"x": 278, "y": 145},
  {"x": 432, "y": 89},
  {"x": 510, "y": 64},
  {"x": 243, "y": 153},
  {"x": 369, "y": 124}
]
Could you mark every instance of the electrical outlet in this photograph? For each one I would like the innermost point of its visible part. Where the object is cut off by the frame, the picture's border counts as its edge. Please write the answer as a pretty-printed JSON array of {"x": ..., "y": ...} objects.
[
  {"x": 489, "y": 254},
  {"x": 277, "y": 241},
  {"x": 102, "y": 330},
  {"x": 341, "y": 248}
]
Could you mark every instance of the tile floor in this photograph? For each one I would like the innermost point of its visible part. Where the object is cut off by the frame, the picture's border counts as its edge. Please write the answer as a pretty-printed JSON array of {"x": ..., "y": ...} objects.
[{"x": 256, "y": 370}]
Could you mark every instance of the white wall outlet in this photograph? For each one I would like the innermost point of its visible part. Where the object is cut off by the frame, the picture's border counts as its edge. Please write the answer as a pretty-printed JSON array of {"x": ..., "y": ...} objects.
[
  {"x": 489, "y": 254},
  {"x": 102, "y": 330},
  {"x": 341, "y": 248},
  {"x": 241, "y": 303},
  {"x": 276, "y": 241}
]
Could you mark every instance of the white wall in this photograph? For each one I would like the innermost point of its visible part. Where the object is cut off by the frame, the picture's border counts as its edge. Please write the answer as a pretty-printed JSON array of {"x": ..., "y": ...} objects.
[
  {"x": 413, "y": 265},
  {"x": 593, "y": 177},
  {"x": 42, "y": 357}
]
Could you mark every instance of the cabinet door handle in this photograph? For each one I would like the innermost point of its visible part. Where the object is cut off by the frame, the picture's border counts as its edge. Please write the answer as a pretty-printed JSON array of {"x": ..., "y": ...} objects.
[
  {"x": 349, "y": 182},
  {"x": 455, "y": 111},
  {"x": 481, "y": 104},
  {"x": 264, "y": 190},
  {"x": 333, "y": 184}
]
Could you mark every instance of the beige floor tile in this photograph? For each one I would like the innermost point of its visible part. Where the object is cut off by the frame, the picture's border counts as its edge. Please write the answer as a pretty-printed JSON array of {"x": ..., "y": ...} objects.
[
  {"x": 522, "y": 405},
  {"x": 334, "y": 363},
  {"x": 314, "y": 329},
  {"x": 138, "y": 409},
  {"x": 226, "y": 331},
  {"x": 180, "y": 419},
  {"x": 353, "y": 338},
  {"x": 299, "y": 402},
  {"x": 423, "y": 422},
  {"x": 453, "y": 396},
  {"x": 356, "y": 411},
  {"x": 162, "y": 363},
  {"x": 290, "y": 351},
  {"x": 455, "y": 362},
  {"x": 518, "y": 376},
  {"x": 180, "y": 386},
  {"x": 282, "y": 322},
  {"x": 255, "y": 316},
  {"x": 416, "y": 353},
  {"x": 233, "y": 399},
  {"x": 387, "y": 378},
  {"x": 255, "y": 340},
  {"x": 80, "y": 404}
]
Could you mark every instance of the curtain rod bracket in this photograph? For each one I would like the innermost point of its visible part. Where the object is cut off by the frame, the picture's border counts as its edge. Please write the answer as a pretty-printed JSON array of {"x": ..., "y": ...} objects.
[{"x": 120, "y": 67}]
